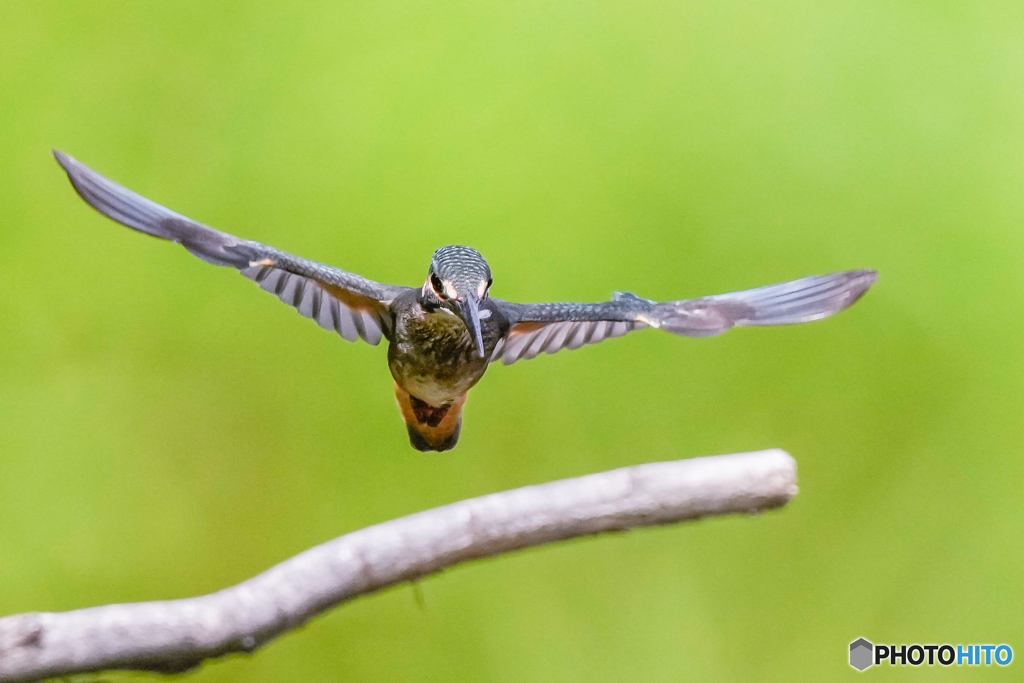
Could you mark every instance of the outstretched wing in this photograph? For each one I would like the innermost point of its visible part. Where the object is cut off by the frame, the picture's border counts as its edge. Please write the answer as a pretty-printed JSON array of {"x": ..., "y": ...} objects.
[
  {"x": 547, "y": 328},
  {"x": 348, "y": 304}
]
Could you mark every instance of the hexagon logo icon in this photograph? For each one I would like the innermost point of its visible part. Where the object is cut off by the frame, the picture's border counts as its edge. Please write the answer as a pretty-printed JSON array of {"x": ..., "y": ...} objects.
[{"x": 861, "y": 654}]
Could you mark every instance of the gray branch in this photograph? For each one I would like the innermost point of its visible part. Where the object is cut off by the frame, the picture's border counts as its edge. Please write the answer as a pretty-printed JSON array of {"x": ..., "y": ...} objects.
[{"x": 177, "y": 635}]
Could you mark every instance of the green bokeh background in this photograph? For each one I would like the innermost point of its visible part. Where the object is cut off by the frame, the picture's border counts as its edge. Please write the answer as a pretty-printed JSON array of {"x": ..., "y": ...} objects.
[{"x": 167, "y": 429}]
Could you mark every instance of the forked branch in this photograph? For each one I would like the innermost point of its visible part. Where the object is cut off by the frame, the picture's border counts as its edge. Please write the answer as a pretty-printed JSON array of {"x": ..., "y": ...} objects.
[{"x": 177, "y": 635}]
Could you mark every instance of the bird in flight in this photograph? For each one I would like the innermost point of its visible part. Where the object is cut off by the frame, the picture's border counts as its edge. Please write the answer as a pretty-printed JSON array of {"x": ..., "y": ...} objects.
[{"x": 443, "y": 335}]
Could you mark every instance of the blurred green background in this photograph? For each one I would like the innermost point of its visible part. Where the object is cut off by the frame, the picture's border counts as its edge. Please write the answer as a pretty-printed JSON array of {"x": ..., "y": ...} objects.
[{"x": 167, "y": 429}]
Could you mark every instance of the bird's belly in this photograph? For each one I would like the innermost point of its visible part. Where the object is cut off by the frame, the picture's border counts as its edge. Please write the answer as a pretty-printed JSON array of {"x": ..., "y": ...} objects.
[
  {"x": 435, "y": 390},
  {"x": 434, "y": 359}
]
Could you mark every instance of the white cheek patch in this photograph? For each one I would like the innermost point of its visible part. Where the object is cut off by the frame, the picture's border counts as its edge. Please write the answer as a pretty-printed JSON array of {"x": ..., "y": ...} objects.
[
  {"x": 484, "y": 314},
  {"x": 449, "y": 289},
  {"x": 481, "y": 290}
]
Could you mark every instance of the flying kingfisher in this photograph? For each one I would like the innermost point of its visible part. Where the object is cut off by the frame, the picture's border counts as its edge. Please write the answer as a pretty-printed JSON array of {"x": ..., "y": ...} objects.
[{"x": 443, "y": 335}]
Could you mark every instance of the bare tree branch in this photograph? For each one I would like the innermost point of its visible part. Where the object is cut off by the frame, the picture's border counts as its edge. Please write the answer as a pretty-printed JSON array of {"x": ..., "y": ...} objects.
[{"x": 177, "y": 635}]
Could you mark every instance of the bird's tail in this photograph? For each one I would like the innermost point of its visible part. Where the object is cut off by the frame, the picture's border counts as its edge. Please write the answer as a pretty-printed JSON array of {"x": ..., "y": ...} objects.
[{"x": 431, "y": 428}]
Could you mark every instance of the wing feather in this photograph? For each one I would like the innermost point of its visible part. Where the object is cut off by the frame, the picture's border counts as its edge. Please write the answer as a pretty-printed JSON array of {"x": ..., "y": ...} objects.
[
  {"x": 528, "y": 340},
  {"x": 312, "y": 300},
  {"x": 548, "y": 328},
  {"x": 348, "y": 304}
]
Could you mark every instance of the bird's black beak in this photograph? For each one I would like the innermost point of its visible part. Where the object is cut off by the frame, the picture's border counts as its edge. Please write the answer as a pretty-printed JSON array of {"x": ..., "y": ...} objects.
[{"x": 468, "y": 308}]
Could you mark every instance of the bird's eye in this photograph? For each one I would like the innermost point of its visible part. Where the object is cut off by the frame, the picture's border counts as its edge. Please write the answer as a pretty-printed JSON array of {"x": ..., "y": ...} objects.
[{"x": 438, "y": 286}]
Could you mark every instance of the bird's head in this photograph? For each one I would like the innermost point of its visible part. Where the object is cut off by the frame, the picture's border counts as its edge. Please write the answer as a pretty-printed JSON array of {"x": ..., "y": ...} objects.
[{"x": 459, "y": 279}]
